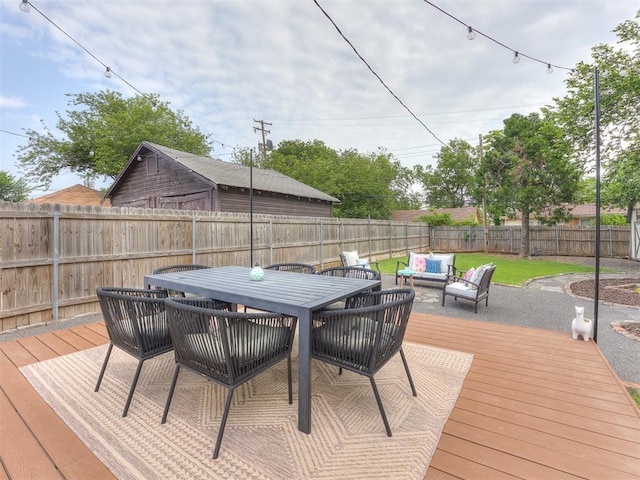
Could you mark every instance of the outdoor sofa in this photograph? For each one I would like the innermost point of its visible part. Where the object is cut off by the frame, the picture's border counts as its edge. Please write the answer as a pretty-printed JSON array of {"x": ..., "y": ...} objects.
[{"x": 428, "y": 267}]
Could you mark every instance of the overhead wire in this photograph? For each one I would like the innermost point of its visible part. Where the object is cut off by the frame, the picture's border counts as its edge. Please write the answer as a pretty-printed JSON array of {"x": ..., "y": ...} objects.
[
  {"x": 108, "y": 69},
  {"x": 376, "y": 74}
]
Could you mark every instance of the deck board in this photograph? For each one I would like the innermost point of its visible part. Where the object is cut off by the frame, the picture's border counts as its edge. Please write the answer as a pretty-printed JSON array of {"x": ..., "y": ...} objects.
[{"x": 515, "y": 417}]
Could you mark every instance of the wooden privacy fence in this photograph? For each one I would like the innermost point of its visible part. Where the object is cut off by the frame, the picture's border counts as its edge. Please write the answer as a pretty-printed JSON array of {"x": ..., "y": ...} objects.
[
  {"x": 555, "y": 240},
  {"x": 54, "y": 256}
]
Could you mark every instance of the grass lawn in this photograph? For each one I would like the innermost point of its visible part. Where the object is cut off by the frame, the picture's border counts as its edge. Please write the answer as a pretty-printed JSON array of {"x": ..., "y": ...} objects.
[{"x": 510, "y": 270}]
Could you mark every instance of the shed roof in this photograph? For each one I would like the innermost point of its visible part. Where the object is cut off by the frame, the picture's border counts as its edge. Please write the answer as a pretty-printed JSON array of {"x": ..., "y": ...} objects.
[{"x": 232, "y": 174}]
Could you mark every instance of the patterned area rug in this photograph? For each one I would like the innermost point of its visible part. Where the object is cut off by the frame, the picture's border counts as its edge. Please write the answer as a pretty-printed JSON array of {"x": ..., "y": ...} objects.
[{"x": 261, "y": 439}]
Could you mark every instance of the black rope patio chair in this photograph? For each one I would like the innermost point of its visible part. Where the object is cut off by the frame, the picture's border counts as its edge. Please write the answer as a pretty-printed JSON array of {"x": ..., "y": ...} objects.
[
  {"x": 186, "y": 268},
  {"x": 226, "y": 347},
  {"x": 136, "y": 323},
  {"x": 178, "y": 268},
  {"x": 350, "y": 272},
  {"x": 292, "y": 267},
  {"x": 363, "y": 337}
]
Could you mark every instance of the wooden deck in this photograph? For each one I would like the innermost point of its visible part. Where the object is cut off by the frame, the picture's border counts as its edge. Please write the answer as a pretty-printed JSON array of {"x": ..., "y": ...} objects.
[{"x": 535, "y": 404}]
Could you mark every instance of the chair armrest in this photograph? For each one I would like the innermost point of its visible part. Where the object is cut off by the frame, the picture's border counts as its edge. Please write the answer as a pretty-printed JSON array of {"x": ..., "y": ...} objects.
[
  {"x": 404, "y": 265},
  {"x": 452, "y": 270},
  {"x": 452, "y": 278},
  {"x": 376, "y": 265}
]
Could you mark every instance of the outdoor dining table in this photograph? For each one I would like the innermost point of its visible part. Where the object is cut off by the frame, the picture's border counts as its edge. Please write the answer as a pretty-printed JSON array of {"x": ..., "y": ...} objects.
[{"x": 290, "y": 293}]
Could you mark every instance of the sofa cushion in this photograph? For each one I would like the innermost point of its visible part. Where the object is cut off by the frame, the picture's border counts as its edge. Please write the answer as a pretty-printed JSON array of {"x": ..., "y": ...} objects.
[
  {"x": 446, "y": 259},
  {"x": 461, "y": 290}
]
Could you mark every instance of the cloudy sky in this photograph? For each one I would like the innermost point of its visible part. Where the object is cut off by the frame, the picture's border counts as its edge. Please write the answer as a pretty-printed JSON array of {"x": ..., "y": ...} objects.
[{"x": 226, "y": 63}]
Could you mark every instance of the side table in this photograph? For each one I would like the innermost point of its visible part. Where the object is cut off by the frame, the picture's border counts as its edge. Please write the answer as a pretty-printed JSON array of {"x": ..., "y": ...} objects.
[{"x": 404, "y": 274}]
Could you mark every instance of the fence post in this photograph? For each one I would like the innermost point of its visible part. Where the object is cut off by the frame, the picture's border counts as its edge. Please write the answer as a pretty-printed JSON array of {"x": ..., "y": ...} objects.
[
  {"x": 510, "y": 239},
  {"x": 390, "y": 238},
  {"x": 194, "y": 247},
  {"x": 271, "y": 241},
  {"x": 321, "y": 242},
  {"x": 55, "y": 263},
  {"x": 610, "y": 242},
  {"x": 369, "y": 234},
  {"x": 406, "y": 237}
]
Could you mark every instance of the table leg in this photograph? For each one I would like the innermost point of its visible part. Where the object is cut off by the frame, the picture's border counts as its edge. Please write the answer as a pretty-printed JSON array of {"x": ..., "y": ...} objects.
[{"x": 304, "y": 371}]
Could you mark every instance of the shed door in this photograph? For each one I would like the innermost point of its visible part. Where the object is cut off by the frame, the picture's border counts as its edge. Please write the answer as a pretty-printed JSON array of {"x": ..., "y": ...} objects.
[{"x": 192, "y": 201}]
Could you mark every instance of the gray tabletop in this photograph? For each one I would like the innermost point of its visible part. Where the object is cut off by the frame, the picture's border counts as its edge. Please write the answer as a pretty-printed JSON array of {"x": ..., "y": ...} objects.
[{"x": 296, "y": 294}]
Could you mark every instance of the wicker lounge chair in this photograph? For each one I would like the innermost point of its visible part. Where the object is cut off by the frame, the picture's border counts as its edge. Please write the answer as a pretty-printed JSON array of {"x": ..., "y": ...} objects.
[{"x": 473, "y": 289}]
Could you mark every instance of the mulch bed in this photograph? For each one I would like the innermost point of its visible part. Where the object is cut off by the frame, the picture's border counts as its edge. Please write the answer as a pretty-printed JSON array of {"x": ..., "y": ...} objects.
[{"x": 608, "y": 293}]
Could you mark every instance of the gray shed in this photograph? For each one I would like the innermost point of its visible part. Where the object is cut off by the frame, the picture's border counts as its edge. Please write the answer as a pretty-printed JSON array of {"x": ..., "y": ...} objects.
[{"x": 160, "y": 177}]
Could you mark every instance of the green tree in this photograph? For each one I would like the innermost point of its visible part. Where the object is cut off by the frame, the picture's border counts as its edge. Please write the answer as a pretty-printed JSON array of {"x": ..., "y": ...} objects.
[
  {"x": 101, "y": 131},
  {"x": 452, "y": 182},
  {"x": 367, "y": 185},
  {"x": 528, "y": 169},
  {"x": 586, "y": 192},
  {"x": 619, "y": 92},
  {"x": 12, "y": 189}
]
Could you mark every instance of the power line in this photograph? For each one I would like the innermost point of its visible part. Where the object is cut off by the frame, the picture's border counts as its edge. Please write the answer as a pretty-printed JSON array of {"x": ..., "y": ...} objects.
[
  {"x": 375, "y": 74},
  {"x": 108, "y": 70},
  {"x": 13, "y": 133}
]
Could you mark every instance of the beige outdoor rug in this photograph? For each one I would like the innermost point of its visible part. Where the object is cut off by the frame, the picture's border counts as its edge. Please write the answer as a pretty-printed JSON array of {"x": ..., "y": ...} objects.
[{"x": 261, "y": 439}]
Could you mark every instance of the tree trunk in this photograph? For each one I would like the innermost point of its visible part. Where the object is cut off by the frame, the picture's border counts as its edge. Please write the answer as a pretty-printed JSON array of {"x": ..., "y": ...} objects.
[{"x": 524, "y": 239}]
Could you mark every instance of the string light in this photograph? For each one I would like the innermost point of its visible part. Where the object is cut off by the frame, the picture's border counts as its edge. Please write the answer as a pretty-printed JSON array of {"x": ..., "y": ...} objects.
[
  {"x": 470, "y": 33},
  {"x": 25, "y": 6},
  {"x": 516, "y": 58}
]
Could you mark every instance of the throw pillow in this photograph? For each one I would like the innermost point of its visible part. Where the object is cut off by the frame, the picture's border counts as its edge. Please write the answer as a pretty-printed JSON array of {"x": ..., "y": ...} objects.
[
  {"x": 419, "y": 263},
  {"x": 351, "y": 258},
  {"x": 433, "y": 266},
  {"x": 469, "y": 274},
  {"x": 477, "y": 275}
]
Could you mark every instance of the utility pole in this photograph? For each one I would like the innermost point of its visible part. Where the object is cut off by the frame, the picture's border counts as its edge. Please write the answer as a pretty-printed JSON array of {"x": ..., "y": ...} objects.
[
  {"x": 262, "y": 146},
  {"x": 484, "y": 205}
]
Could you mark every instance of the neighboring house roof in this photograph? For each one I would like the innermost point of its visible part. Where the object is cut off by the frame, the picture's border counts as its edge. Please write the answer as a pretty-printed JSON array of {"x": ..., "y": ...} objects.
[
  {"x": 578, "y": 211},
  {"x": 457, "y": 214},
  {"x": 589, "y": 210},
  {"x": 75, "y": 195},
  {"x": 232, "y": 174}
]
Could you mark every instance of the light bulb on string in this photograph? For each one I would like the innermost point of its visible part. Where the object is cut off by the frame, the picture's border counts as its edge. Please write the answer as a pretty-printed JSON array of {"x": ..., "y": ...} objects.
[
  {"x": 108, "y": 73},
  {"x": 516, "y": 57},
  {"x": 24, "y": 6},
  {"x": 470, "y": 33},
  {"x": 549, "y": 69}
]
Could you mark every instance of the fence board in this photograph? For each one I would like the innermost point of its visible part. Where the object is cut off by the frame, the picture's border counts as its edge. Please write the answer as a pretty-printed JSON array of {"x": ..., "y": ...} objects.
[{"x": 118, "y": 246}]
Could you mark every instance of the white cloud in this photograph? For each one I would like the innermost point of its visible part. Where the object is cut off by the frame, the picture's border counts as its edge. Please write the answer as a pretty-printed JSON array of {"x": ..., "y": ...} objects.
[
  {"x": 12, "y": 102},
  {"x": 226, "y": 63}
]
